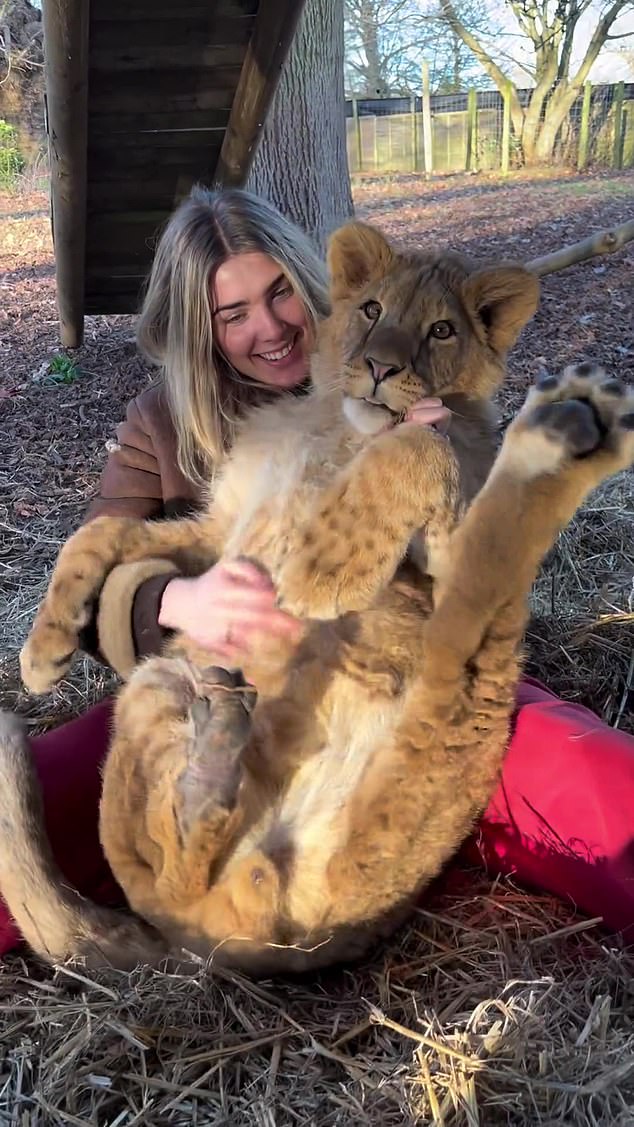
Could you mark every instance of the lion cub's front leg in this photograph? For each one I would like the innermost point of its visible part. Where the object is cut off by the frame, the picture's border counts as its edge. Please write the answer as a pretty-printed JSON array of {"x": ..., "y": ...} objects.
[
  {"x": 80, "y": 572},
  {"x": 402, "y": 481}
]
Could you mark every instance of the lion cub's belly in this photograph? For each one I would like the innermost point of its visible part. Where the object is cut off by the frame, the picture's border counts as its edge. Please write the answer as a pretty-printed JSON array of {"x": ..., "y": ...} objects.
[{"x": 300, "y": 833}]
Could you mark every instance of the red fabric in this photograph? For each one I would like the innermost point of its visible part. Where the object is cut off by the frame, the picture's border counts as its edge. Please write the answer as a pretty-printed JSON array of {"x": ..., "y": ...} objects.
[
  {"x": 68, "y": 761},
  {"x": 562, "y": 819}
]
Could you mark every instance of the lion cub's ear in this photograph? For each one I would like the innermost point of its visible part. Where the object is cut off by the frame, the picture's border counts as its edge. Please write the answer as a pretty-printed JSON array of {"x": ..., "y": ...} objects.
[
  {"x": 504, "y": 298},
  {"x": 357, "y": 253}
]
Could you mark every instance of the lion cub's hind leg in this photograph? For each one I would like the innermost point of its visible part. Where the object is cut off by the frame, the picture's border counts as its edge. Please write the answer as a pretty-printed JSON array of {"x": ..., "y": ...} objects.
[
  {"x": 415, "y": 806},
  {"x": 573, "y": 432},
  {"x": 172, "y": 784}
]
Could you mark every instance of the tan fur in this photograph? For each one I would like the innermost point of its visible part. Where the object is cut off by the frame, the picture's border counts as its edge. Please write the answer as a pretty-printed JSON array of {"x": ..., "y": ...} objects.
[{"x": 288, "y": 833}]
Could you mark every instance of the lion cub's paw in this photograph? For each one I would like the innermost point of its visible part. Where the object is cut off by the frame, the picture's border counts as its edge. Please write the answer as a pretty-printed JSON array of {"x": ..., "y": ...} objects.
[
  {"x": 219, "y": 728},
  {"x": 580, "y": 414},
  {"x": 46, "y": 655},
  {"x": 324, "y": 585}
]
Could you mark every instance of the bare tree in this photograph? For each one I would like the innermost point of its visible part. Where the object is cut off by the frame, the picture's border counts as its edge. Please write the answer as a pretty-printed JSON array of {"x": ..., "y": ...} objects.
[
  {"x": 301, "y": 164},
  {"x": 551, "y": 30},
  {"x": 386, "y": 41}
]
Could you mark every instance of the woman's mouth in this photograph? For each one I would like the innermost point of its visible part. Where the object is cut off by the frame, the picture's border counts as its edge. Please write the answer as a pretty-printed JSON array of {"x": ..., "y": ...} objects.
[
  {"x": 285, "y": 353},
  {"x": 279, "y": 354}
]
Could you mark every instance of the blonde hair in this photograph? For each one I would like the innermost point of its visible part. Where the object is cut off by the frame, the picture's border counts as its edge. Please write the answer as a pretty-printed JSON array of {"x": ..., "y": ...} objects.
[{"x": 206, "y": 395}]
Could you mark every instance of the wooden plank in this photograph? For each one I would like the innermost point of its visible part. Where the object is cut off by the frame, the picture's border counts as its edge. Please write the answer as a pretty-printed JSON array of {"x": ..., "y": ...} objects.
[
  {"x": 207, "y": 27},
  {"x": 167, "y": 90},
  {"x": 103, "y": 144},
  {"x": 65, "y": 25},
  {"x": 126, "y": 236},
  {"x": 99, "y": 304},
  {"x": 270, "y": 42},
  {"x": 105, "y": 279},
  {"x": 203, "y": 58},
  {"x": 115, "y": 285},
  {"x": 103, "y": 124},
  {"x": 104, "y": 196},
  {"x": 110, "y": 11},
  {"x": 149, "y": 161}
]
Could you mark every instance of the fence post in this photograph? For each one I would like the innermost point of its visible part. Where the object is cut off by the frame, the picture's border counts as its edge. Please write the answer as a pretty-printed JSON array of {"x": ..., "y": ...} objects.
[
  {"x": 357, "y": 133},
  {"x": 471, "y": 162},
  {"x": 617, "y": 150},
  {"x": 427, "y": 131},
  {"x": 584, "y": 128},
  {"x": 375, "y": 150},
  {"x": 506, "y": 129},
  {"x": 412, "y": 103}
]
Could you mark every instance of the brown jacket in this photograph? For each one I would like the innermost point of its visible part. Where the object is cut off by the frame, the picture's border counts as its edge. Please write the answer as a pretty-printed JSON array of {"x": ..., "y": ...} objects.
[{"x": 141, "y": 479}]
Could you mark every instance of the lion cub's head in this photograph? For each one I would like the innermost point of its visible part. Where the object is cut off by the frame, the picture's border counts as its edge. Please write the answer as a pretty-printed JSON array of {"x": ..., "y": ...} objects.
[{"x": 409, "y": 325}]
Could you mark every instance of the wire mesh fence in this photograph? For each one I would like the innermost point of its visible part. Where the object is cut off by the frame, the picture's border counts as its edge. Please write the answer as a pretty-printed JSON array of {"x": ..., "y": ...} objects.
[{"x": 484, "y": 130}]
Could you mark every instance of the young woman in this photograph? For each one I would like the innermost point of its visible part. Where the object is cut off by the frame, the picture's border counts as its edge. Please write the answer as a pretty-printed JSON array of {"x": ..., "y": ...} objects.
[{"x": 233, "y": 300}]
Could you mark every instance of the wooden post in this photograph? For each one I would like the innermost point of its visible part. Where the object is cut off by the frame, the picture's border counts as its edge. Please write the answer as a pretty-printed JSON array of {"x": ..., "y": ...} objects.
[
  {"x": 271, "y": 39},
  {"x": 427, "y": 130},
  {"x": 357, "y": 133},
  {"x": 412, "y": 106},
  {"x": 617, "y": 148},
  {"x": 506, "y": 130},
  {"x": 584, "y": 128},
  {"x": 65, "y": 24},
  {"x": 471, "y": 161}
]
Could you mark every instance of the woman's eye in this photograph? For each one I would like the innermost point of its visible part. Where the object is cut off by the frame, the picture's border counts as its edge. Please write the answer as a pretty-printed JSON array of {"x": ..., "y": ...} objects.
[
  {"x": 442, "y": 330},
  {"x": 235, "y": 319},
  {"x": 283, "y": 292},
  {"x": 372, "y": 310}
]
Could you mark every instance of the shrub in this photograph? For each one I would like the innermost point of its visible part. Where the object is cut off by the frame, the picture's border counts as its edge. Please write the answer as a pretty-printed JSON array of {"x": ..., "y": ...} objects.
[{"x": 11, "y": 159}]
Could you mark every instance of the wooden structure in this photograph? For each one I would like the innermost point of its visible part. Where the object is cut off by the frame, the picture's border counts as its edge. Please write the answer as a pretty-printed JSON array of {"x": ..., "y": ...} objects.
[{"x": 144, "y": 99}]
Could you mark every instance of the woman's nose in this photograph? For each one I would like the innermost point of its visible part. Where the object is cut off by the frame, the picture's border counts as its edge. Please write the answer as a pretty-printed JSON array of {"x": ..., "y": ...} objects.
[{"x": 267, "y": 323}]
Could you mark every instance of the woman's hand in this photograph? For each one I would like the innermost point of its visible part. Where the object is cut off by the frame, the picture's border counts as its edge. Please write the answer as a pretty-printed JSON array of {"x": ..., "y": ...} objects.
[{"x": 226, "y": 608}]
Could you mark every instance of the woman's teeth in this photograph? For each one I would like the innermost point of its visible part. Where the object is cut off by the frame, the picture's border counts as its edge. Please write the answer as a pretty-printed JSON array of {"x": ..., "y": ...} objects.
[{"x": 280, "y": 354}]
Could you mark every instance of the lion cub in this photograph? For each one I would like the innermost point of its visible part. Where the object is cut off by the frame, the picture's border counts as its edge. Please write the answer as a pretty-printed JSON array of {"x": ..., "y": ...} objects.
[{"x": 289, "y": 830}]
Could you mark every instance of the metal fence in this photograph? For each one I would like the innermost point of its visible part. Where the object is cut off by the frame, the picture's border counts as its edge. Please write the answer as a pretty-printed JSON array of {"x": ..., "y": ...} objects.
[{"x": 472, "y": 131}]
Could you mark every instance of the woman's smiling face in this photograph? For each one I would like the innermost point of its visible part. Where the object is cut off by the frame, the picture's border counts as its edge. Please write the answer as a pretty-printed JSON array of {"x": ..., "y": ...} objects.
[{"x": 260, "y": 323}]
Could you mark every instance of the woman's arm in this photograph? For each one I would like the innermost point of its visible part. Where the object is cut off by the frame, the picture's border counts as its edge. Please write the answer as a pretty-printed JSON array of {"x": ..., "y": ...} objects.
[{"x": 125, "y": 623}]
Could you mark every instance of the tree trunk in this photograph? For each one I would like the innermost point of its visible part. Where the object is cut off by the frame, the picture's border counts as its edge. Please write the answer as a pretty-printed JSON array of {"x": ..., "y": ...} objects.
[
  {"x": 532, "y": 116},
  {"x": 557, "y": 111},
  {"x": 301, "y": 164}
]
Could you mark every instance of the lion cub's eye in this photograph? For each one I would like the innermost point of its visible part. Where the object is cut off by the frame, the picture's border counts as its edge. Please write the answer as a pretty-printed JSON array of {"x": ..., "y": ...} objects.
[
  {"x": 372, "y": 310},
  {"x": 442, "y": 330}
]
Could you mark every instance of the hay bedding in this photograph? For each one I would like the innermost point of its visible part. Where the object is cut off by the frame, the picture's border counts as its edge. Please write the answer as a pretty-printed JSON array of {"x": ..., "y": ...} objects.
[{"x": 494, "y": 1006}]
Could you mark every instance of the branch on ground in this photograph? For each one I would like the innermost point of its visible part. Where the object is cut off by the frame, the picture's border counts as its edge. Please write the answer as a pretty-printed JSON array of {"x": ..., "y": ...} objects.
[{"x": 604, "y": 242}]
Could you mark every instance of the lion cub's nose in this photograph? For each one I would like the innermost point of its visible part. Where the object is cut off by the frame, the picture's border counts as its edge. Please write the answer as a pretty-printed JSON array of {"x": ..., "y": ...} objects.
[{"x": 381, "y": 371}]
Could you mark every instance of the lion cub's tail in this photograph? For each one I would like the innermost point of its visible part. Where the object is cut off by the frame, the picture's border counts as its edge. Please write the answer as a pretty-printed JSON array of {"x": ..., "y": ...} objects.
[{"x": 54, "y": 919}]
